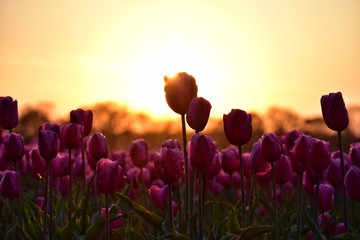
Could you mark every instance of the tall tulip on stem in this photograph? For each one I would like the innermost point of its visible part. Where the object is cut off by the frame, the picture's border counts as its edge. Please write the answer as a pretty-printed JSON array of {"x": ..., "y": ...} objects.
[
  {"x": 179, "y": 91},
  {"x": 9, "y": 116},
  {"x": 336, "y": 118},
  {"x": 238, "y": 131}
]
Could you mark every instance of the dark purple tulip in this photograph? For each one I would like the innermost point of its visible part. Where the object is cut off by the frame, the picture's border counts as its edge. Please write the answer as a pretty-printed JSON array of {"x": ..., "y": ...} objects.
[
  {"x": 321, "y": 156},
  {"x": 37, "y": 163},
  {"x": 271, "y": 147},
  {"x": 108, "y": 176},
  {"x": 179, "y": 91},
  {"x": 202, "y": 151},
  {"x": 171, "y": 143},
  {"x": 230, "y": 160},
  {"x": 70, "y": 135},
  {"x": 84, "y": 118},
  {"x": 283, "y": 170},
  {"x": 302, "y": 153},
  {"x": 55, "y": 127},
  {"x": 169, "y": 164},
  {"x": 334, "y": 111},
  {"x": 214, "y": 169},
  {"x": 333, "y": 172},
  {"x": 159, "y": 195},
  {"x": 138, "y": 152},
  {"x": 237, "y": 127},
  {"x": 198, "y": 113},
  {"x": 9, "y": 116},
  {"x": 354, "y": 154},
  {"x": 326, "y": 197},
  {"x": 10, "y": 184},
  {"x": 257, "y": 162},
  {"x": 97, "y": 146},
  {"x": 49, "y": 144},
  {"x": 352, "y": 183},
  {"x": 288, "y": 140},
  {"x": 14, "y": 147},
  {"x": 60, "y": 165}
]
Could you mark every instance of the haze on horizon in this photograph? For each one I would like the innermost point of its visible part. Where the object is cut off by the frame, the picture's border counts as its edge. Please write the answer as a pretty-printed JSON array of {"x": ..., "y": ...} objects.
[{"x": 248, "y": 55}]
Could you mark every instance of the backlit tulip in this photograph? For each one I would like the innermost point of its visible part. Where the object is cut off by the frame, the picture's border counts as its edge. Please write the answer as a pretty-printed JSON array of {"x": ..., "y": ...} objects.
[
  {"x": 334, "y": 111},
  {"x": 237, "y": 127},
  {"x": 159, "y": 196},
  {"x": 198, "y": 113},
  {"x": 108, "y": 176},
  {"x": 84, "y": 118},
  {"x": 9, "y": 116},
  {"x": 14, "y": 147},
  {"x": 179, "y": 91},
  {"x": 202, "y": 151},
  {"x": 138, "y": 152},
  {"x": 352, "y": 183},
  {"x": 288, "y": 140},
  {"x": 97, "y": 146},
  {"x": 48, "y": 143},
  {"x": 55, "y": 127},
  {"x": 37, "y": 163},
  {"x": 321, "y": 156},
  {"x": 70, "y": 135},
  {"x": 271, "y": 147},
  {"x": 10, "y": 184}
]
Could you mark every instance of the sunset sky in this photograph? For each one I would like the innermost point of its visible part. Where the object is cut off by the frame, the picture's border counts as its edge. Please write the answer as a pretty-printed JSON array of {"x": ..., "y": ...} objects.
[{"x": 243, "y": 54}]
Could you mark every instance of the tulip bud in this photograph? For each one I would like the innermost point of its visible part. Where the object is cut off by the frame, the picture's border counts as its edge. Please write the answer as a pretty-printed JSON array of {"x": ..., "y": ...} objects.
[
  {"x": 9, "y": 116},
  {"x": 283, "y": 170},
  {"x": 10, "y": 184},
  {"x": 334, "y": 174},
  {"x": 321, "y": 156},
  {"x": 37, "y": 163},
  {"x": 108, "y": 176},
  {"x": 230, "y": 160},
  {"x": 352, "y": 180},
  {"x": 84, "y": 118},
  {"x": 289, "y": 139},
  {"x": 97, "y": 146},
  {"x": 271, "y": 147},
  {"x": 198, "y": 113},
  {"x": 70, "y": 135},
  {"x": 334, "y": 111},
  {"x": 14, "y": 147},
  {"x": 202, "y": 151},
  {"x": 48, "y": 143},
  {"x": 179, "y": 91},
  {"x": 138, "y": 152},
  {"x": 302, "y": 153},
  {"x": 354, "y": 154},
  {"x": 159, "y": 195},
  {"x": 237, "y": 127},
  {"x": 257, "y": 162}
]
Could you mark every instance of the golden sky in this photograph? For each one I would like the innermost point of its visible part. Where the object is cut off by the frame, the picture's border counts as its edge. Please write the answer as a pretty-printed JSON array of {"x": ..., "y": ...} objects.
[{"x": 243, "y": 54}]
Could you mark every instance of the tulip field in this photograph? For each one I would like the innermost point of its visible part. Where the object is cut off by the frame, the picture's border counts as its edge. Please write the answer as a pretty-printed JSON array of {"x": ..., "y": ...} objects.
[{"x": 67, "y": 184}]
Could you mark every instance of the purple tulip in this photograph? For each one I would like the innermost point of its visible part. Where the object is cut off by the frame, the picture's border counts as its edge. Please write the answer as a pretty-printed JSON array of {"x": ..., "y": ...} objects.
[
  {"x": 138, "y": 152},
  {"x": 321, "y": 156},
  {"x": 288, "y": 140},
  {"x": 302, "y": 153},
  {"x": 60, "y": 165},
  {"x": 70, "y": 135},
  {"x": 179, "y": 91},
  {"x": 202, "y": 151},
  {"x": 14, "y": 147},
  {"x": 198, "y": 113},
  {"x": 333, "y": 172},
  {"x": 10, "y": 184},
  {"x": 49, "y": 144},
  {"x": 9, "y": 116},
  {"x": 97, "y": 146},
  {"x": 230, "y": 160},
  {"x": 171, "y": 143},
  {"x": 334, "y": 111},
  {"x": 37, "y": 163},
  {"x": 257, "y": 162},
  {"x": 237, "y": 127},
  {"x": 352, "y": 183},
  {"x": 283, "y": 170},
  {"x": 271, "y": 147},
  {"x": 169, "y": 164},
  {"x": 354, "y": 154},
  {"x": 55, "y": 127},
  {"x": 159, "y": 195},
  {"x": 84, "y": 118},
  {"x": 108, "y": 176},
  {"x": 214, "y": 169},
  {"x": 326, "y": 197}
]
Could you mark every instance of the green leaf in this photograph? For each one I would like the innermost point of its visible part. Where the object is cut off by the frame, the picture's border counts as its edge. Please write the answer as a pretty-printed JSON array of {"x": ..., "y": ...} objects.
[
  {"x": 255, "y": 231},
  {"x": 95, "y": 230},
  {"x": 11, "y": 233},
  {"x": 233, "y": 223},
  {"x": 151, "y": 217},
  {"x": 313, "y": 227},
  {"x": 345, "y": 236},
  {"x": 230, "y": 237}
]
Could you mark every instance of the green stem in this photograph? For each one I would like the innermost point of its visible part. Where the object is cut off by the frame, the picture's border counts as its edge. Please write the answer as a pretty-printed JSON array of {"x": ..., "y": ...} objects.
[
  {"x": 276, "y": 233},
  {"x": 83, "y": 163},
  {"x": 299, "y": 213},
  {"x": 201, "y": 206},
  {"x": 50, "y": 199},
  {"x": 143, "y": 186},
  {"x": 70, "y": 187},
  {"x": 170, "y": 207},
  {"x": 251, "y": 190},
  {"x": 107, "y": 222},
  {"x": 243, "y": 199},
  {"x": 187, "y": 199},
  {"x": 343, "y": 177},
  {"x": 316, "y": 205},
  {"x": 45, "y": 201}
]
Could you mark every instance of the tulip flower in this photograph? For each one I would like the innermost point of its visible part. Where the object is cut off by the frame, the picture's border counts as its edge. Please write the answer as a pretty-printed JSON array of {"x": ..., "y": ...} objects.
[
  {"x": 138, "y": 152},
  {"x": 84, "y": 118},
  {"x": 283, "y": 170},
  {"x": 354, "y": 154},
  {"x": 171, "y": 143},
  {"x": 336, "y": 118},
  {"x": 321, "y": 156},
  {"x": 198, "y": 113},
  {"x": 202, "y": 151},
  {"x": 10, "y": 184},
  {"x": 55, "y": 127},
  {"x": 116, "y": 223},
  {"x": 352, "y": 183},
  {"x": 48, "y": 143},
  {"x": 214, "y": 168},
  {"x": 237, "y": 127},
  {"x": 60, "y": 165},
  {"x": 289, "y": 139},
  {"x": 326, "y": 197},
  {"x": 159, "y": 195},
  {"x": 97, "y": 146},
  {"x": 37, "y": 163},
  {"x": 9, "y": 116},
  {"x": 14, "y": 148},
  {"x": 230, "y": 160}
]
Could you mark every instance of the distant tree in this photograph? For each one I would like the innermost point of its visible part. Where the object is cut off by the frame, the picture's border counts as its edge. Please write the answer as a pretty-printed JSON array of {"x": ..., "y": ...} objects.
[{"x": 281, "y": 120}]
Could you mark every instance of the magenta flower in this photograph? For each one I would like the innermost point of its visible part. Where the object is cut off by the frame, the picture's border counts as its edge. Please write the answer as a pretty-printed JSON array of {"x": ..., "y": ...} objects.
[
  {"x": 237, "y": 127},
  {"x": 179, "y": 91},
  {"x": 257, "y": 162},
  {"x": 230, "y": 160},
  {"x": 14, "y": 147},
  {"x": 9, "y": 116},
  {"x": 270, "y": 146},
  {"x": 84, "y": 118},
  {"x": 198, "y": 113},
  {"x": 202, "y": 151},
  {"x": 334, "y": 111},
  {"x": 302, "y": 153},
  {"x": 108, "y": 176},
  {"x": 97, "y": 146},
  {"x": 326, "y": 197},
  {"x": 288, "y": 140},
  {"x": 10, "y": 184},
  {"x": 60, "y": 165},
  {"x": 214, "y": 169},
  {"x": 49, "y": 144},
  {"x": 138, "y": 152},
  {"x": 352, "y": 183},
  {"x": 321, "y": 156},
  {"x": 37, "y": 163},
  {"x": 159, "y": 195},
  {"x": 70, "y": 135},
  {"x": 116, "y": 223},
  {"x": 283, "y": 170},
  {"x": 169, "y": 164},
  {"x": 334, "y": 173}
]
